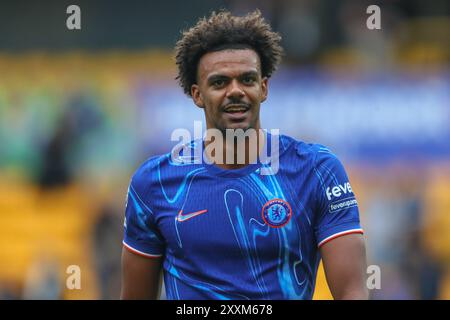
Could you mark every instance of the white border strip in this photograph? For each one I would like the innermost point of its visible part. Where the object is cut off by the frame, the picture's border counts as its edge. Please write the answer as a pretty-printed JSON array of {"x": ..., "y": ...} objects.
[
  {"x": 140, "y": 252},
  {"x": 342, "y": 233}
]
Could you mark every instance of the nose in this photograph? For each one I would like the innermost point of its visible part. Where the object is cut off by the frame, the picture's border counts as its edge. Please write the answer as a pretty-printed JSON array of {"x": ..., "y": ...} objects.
[{"x": 235, "y": 90}]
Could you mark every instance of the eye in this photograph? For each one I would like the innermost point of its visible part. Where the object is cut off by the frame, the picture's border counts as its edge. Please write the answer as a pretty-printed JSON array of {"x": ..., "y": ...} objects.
[
  {"x": 248, "y": 80},
  {"x": 218, "y": 83}
]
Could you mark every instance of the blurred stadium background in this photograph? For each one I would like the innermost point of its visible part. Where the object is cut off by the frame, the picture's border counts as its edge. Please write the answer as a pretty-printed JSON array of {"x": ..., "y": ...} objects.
[{"x": 80, "y": 110}]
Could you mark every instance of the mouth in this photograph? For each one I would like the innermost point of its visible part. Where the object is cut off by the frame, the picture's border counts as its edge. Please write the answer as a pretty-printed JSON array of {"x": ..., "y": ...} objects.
[
  {"x": 236, "y": 109},
  {"x": 237, "y": 112}
]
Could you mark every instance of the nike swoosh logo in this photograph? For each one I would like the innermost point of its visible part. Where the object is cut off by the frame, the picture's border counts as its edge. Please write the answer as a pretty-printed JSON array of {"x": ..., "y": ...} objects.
[{"x": 183, "y": 217}]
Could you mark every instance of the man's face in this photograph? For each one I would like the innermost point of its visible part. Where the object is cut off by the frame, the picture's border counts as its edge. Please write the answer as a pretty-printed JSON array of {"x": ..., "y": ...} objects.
[{"x": 230, "y": 89}]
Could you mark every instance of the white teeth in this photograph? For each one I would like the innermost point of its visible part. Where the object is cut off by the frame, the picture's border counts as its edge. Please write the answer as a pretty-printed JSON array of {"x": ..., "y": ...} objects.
[{"x": 236, "y": 110}]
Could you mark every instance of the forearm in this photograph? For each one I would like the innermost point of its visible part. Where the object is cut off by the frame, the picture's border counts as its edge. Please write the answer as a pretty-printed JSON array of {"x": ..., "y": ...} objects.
[
  {"x": 344, "y": 261},
  {"x": 141, "y": 277}
]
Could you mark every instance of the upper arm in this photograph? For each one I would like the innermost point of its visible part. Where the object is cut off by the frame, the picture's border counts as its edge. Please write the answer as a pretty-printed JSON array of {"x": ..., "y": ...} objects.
[
  {"x": 140, "y": 276},
  {"x": 143, "y": 244},
  {"x": 336, "y": 209},
  {"x": 337, "y": 229},
  {"x": 344, "y": 262}
]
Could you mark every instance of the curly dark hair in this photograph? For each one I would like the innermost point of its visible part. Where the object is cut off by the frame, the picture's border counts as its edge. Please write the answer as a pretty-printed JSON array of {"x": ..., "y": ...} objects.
[{"x": 224, "y": 31}]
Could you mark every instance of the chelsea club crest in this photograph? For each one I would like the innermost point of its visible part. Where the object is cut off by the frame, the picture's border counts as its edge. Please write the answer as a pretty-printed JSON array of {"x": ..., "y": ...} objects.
[{"x": 276, "y": 213}]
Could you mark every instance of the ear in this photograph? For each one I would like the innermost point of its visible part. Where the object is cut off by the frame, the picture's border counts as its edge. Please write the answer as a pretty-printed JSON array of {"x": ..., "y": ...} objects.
[
  {"x": 264, "y": 89},
  {"x": 197, "y": 96}
]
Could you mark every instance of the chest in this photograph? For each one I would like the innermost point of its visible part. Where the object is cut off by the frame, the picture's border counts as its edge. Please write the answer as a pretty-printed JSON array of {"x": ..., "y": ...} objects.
[{"x": 231, "y": 218}]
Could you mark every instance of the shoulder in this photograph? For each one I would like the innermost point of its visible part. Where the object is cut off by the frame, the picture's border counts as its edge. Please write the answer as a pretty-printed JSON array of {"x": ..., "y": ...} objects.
[
  {"x": 176, "y": 163},
  {"x": 144, "y": 175},
  {"x": 313, "y": 153}
]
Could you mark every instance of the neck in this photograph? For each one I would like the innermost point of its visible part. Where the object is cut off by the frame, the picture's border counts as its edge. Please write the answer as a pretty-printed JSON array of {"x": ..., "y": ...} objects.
[{"x": 239, "y": 148}]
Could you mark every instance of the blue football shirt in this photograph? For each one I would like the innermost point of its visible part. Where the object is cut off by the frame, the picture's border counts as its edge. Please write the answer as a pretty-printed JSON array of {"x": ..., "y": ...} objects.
[{"x": 238, "y": 234}]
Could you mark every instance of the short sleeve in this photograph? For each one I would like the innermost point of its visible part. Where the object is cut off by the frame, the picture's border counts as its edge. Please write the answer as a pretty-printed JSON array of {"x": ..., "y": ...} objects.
[
  {"x": 141, "y": 235},
  {"x": 337, "y": 211}
]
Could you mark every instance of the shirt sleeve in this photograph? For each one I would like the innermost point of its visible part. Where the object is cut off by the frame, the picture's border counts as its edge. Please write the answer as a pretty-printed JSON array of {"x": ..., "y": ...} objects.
[
  {"x": 141, "y": 234},
  {"x": 337, "y": 211}
]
